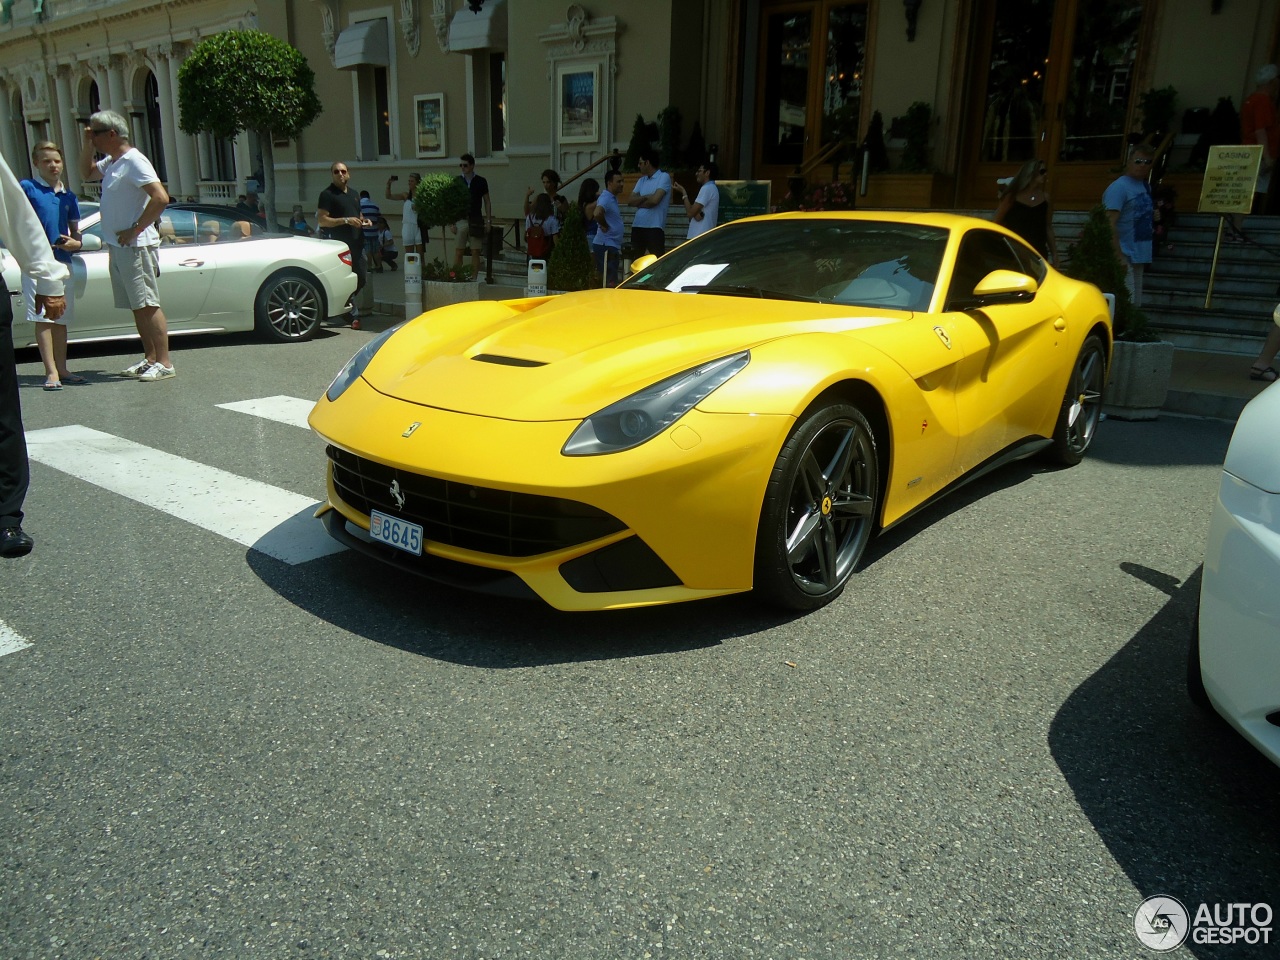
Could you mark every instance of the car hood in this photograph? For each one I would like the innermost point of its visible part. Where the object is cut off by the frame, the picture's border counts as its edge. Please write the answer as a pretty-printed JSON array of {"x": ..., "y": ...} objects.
[{"x": 565, "y": 357}]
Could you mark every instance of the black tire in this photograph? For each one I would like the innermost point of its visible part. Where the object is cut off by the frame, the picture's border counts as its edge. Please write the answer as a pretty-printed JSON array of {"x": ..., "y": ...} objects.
[
  {"x": 290, "y": 307},
  {"x": 1195, "y": 678},
  {"x": 819, "y": 509},
  {"x": 1082, "y": 404}
]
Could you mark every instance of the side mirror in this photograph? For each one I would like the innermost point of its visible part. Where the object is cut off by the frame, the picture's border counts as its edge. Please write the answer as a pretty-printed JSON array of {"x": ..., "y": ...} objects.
[
  {"x": 89, "y": 242},
  {"x": 1005, "y": 283},
  {"x": 642, "y": 263},
  {"x": 997, "y": 287}
]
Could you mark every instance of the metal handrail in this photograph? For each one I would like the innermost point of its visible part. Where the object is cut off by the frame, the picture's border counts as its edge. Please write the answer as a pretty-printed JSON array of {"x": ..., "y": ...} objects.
[{"x": 592, "y": 165}]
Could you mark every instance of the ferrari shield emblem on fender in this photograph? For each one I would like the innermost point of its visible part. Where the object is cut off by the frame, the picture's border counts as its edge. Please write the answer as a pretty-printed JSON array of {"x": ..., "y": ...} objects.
[
  {"x": 942, "y": 335},
  {"x": 417, "y": 423}
]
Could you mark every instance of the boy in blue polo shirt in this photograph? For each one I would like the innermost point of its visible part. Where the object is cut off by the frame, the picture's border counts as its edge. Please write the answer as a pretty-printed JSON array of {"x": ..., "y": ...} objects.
[{"x": 59, "y": 213}]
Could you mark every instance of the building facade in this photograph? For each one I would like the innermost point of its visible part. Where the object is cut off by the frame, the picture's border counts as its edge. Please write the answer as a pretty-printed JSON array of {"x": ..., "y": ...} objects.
[{"x": 772, "y": 85}]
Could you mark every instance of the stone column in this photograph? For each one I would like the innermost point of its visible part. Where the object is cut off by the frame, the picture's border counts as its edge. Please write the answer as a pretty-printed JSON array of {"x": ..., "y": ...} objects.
[
  {"x": 186, "y": 143},
  {"x": 168, "y": 122},
  {"x": 68, "y": 129},
  {"x": 244, "y": 160},
  {"x": 8, "y": 142},
  {"x": 115, "y": 87}
]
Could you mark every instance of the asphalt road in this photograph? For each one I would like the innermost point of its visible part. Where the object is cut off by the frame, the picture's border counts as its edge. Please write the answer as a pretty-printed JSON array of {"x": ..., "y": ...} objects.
[{"x": 983, "y": 749}]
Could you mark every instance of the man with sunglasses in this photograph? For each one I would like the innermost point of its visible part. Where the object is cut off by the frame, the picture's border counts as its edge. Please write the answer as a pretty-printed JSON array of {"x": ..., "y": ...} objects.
[
  {"x": 338, "y": 211},
  {"x": 1130, "y": 210},
  {"x": 471, "y": 232},
  {"x": 132, "y": 201}
]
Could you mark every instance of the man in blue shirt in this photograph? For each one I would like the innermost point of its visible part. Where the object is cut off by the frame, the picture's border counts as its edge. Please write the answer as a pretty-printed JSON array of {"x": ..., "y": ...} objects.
[
  {"x": 607, "y": 245},
  {"x": 59, "y": 213},
  {"x": 651, "y": 198},
  {"x": 1130, "y": 210}
]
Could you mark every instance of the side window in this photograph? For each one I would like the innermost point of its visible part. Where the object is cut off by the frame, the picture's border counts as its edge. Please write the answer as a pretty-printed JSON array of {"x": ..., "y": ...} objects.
[
  {"x": 182, "y": 223},
  {"x": 1033, "y": 264},
  {"x": 981, "y": 251}
]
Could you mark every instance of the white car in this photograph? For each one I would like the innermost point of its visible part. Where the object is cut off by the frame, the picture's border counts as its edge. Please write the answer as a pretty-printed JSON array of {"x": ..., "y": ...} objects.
[
  {"x": 212, "y": 280},
  {"x": 1235, "y": 643}
]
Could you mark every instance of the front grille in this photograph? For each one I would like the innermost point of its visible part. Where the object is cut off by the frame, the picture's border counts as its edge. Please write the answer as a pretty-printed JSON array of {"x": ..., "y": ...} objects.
[{"x": 499, "y": 522}]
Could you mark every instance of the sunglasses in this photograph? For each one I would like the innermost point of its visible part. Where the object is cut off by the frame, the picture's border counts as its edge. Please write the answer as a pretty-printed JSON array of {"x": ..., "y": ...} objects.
[
  {"x": 1143, "y": 162},
  {"x": 94, "y": 131}
]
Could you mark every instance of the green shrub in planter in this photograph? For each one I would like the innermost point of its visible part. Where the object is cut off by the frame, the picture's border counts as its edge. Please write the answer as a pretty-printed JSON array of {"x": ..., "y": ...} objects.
[
  {"x": 1093, "y": 259},
  {"x": 571, "y": 266},
  {"x": 441, "y": 200}
]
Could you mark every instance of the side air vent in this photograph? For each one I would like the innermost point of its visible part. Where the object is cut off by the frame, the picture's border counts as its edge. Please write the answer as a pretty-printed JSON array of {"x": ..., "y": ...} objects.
[{"x": 507, "y": 361}]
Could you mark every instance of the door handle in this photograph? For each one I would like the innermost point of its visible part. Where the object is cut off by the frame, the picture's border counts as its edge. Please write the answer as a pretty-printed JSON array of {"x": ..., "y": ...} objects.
[
  {"x": 1060, "y": 324},
  {"x": 191, "y": 263}
]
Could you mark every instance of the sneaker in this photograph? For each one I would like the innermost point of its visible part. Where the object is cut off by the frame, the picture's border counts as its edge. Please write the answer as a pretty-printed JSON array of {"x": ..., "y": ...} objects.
[
  {"x": 137, "y": 369},
  {"x": 157, "y": 371}
]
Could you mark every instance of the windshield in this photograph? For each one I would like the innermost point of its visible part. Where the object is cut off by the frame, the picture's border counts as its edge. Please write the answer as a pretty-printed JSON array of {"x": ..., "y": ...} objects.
[{"x": 869, "y": 263}]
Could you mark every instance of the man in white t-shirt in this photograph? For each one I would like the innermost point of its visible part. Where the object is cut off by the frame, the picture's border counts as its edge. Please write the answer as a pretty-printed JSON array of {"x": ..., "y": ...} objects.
[
  {"x": 132, "y": 201},
  {"x": 704, "y": 212}
]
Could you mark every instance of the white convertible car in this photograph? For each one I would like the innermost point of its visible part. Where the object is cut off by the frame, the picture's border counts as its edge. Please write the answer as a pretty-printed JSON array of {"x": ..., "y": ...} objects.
[{"x": 213, "y": 279}]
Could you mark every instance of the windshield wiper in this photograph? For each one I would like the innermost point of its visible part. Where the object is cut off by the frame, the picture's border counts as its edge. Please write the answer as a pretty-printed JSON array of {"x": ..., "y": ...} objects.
[{"x": 741, "y": 290}]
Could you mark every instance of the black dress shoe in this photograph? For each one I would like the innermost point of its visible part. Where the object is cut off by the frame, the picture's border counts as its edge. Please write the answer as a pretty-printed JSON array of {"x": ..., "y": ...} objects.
[{"x": 15, "y": 543}]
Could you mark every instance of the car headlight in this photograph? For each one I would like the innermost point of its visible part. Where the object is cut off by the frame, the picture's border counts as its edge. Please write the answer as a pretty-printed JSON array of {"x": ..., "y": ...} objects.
[
  {"x": 355, "y": 366},
  {"x": 645, "y": 414}
]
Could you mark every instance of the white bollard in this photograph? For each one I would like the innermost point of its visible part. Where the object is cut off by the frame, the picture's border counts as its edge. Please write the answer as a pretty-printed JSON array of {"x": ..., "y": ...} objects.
[
  {"x": 536, "y": 283},
  {"x": 412, "y": 285}
]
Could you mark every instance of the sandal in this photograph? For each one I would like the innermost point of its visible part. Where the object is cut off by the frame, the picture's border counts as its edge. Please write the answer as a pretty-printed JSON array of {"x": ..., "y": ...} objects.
[
  {"x": 74, "y": 379},
  {"x": 1268, "y": 374},
  {"x": 52, "y": 385}
]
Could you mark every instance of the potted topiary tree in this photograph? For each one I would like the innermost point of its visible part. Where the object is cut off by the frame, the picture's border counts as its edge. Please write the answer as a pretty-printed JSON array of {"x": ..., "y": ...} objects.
[
  {"x": 1141, "y": 363},
  {"x": 571, "y": 266},
  {"x": 440, "y": 201}
]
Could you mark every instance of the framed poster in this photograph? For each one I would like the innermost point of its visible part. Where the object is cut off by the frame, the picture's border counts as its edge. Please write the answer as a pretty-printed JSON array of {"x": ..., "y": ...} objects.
[
  {"x": 428, "y": 112},
  {"x": 576, "y": 88}
]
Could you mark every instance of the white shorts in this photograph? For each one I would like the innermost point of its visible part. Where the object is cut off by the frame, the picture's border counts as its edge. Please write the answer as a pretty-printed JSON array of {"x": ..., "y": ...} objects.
[
  {"x": 410, "y": 235},
  {"x": 29, "y": 300}
]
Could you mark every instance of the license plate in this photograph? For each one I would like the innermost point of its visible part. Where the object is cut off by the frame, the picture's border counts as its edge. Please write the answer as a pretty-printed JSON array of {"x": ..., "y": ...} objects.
[{"x": 397, "y": 533}]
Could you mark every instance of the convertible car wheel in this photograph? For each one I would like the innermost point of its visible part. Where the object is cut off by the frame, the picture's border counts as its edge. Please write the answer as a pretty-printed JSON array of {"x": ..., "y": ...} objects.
[
  {"x": 819, "y": 509},
  {"x": 289, "y": 307},
  {"x": 1082, "y": 405}
]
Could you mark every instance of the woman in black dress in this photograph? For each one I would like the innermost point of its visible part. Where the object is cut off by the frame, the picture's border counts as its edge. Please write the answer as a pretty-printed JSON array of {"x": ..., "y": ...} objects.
[{"x": 1025, "y": 209}]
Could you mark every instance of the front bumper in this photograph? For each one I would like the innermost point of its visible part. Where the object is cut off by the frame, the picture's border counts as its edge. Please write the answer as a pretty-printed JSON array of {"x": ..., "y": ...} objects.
[
  {"x": 1240, "y": 612},
  {"x": 674, "y": 519}
]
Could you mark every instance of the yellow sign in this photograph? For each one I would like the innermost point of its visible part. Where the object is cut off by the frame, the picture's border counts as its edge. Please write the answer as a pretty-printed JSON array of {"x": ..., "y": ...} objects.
[{"x": 1229, "y": 179}]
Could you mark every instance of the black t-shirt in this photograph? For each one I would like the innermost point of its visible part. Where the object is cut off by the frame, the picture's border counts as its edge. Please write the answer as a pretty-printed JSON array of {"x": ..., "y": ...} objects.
[
  {"x": 479, "y": 187},
  {"x": 340, "y": 204}
]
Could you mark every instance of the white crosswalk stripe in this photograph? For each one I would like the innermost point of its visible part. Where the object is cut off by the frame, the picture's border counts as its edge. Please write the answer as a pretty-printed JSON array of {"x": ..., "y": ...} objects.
[
  {"x": 290, "y": 410},
  {"x": 11, "y": 642},
  {"x": 276, "y": 522}
]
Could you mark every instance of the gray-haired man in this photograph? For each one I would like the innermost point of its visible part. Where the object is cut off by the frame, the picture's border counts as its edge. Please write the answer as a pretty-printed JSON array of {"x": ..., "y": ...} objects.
[{"x": 132, "y": 201}]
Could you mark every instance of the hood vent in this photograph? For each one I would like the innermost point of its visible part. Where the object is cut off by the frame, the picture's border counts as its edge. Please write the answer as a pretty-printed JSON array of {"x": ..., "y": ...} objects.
[{"x": 507, "y": 361}]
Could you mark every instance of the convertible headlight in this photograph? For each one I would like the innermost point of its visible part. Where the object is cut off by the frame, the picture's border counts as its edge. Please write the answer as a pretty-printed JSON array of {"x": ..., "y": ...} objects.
[
  {"x": 643, "y": 415},
  {"x": 355, "y": 366}
]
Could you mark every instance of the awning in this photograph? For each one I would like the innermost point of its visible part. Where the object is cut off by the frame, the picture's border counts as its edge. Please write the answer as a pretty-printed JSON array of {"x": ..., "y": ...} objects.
[
  {"x": 362, "y": 44},
  {"x": 486, "y": 30}
]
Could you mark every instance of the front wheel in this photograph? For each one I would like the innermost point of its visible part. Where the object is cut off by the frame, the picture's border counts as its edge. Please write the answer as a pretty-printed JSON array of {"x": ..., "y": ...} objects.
[
  {"x": 819, "y": 509},
  {"x": 289, "y": 307},
  {"x": 1082, "y": 405}
]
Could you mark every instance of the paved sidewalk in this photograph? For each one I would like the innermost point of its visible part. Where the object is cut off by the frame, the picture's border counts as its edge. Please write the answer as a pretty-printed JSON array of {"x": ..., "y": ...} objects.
[{"x": 1204, "y": 384}]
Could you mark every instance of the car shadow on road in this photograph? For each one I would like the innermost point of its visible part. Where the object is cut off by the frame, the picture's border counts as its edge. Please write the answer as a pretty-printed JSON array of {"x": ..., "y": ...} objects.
[
  {"x": 392, "y": 607},
  {"x": 1184, "y": 804}
]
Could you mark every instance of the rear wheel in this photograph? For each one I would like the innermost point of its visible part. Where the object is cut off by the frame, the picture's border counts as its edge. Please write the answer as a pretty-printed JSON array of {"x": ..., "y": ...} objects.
[
  {"x": 1082, "y": 405},
  {"x": 819, "y": 509},
  {"x": 289, "y": 307}
]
